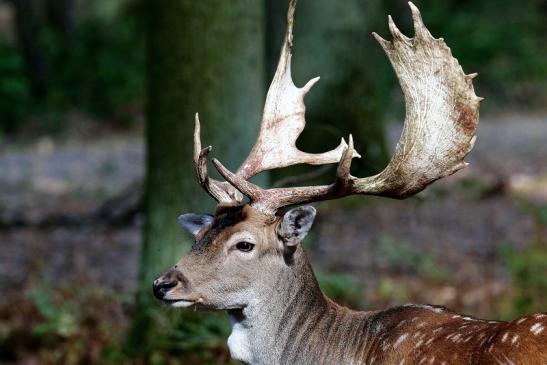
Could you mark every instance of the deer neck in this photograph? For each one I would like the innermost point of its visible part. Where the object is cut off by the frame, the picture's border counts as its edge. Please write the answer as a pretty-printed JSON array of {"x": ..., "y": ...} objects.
[{"x": 285, "y": 319}]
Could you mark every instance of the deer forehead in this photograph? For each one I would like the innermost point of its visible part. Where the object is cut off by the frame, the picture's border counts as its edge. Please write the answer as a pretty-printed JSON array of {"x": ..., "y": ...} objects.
[{"x": 236, "y": 224}]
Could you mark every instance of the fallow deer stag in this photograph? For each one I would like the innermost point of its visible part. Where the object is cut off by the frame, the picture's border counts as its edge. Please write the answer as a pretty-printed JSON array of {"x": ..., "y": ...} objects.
[{"x": 247, "y": 258}]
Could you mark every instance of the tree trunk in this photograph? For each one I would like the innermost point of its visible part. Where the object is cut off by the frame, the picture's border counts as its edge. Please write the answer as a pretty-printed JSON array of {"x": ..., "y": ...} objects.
[
  {"x": 62, "y": 15},
  {"x": 333, "y": 40},
  {"x": 204, "y": 56},
  {"x": 28, "y": 38}
]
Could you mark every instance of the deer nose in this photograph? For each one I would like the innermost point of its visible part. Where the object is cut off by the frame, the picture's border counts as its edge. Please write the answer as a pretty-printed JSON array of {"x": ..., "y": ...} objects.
[{"x": 162, "y": 286}]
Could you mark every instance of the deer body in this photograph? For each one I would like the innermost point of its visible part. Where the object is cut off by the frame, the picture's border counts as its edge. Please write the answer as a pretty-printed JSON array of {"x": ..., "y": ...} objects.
[
  {"x": 247, "y": 258},
  {"x": 305, "y": 327}
]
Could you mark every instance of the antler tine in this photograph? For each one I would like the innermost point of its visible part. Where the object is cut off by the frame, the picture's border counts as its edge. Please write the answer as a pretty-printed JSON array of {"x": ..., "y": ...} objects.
[
  {"x": 343, "y": 176},
  {"x": 222, "y": 192},
  {"x": 283, "y": 120},
  {"x": 252, "y": 191}
]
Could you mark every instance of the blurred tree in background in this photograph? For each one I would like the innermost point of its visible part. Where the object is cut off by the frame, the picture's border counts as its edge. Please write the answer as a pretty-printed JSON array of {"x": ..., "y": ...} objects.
[
  {"x": 504, "y": 41},
  {"x": 203, "y": 56},
  {"x": 66, "y": 58}
]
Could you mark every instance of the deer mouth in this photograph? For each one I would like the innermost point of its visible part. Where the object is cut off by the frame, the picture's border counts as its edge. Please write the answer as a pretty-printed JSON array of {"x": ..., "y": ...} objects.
[{"x": 179, "y": 303}]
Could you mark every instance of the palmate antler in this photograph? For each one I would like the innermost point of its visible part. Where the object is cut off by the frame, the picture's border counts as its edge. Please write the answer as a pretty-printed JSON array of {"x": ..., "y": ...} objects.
[{"x": 439, "y": 130}]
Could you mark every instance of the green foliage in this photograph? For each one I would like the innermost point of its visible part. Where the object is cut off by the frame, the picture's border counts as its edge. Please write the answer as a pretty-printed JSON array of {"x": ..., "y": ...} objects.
[
  {"x": 14, "y": 89},
  {"x": 527, "y": 269},
  {"x": 504, "y": 41},
  {"x": 392, "y": 291},
  {"x": 538, "y": 211},
  {"x": 402, "y": 256},
  {"x": 69, "y": 324},
  {"x": 102, "y": 67},
  {"x": 60, "y": 320},
  {"x": 341, "y": 288},
  {"x": 87, "y": 324},
  {"x": 97, "y": 68},
  {"x": 180, "y": 334}
]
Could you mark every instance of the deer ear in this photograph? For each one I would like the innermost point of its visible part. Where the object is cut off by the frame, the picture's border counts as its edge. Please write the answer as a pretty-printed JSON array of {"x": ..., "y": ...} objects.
[
  {"x": 193, "y": 223},
  {"x": 295, "y": 225}
]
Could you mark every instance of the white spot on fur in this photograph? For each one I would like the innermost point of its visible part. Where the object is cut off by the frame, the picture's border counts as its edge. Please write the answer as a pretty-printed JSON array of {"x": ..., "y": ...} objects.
[
  {"x": 509, "y": 361},
  {"x": 400, "y": 340},
  {"x": 402, "y": 362},
  {"x": 504, "y": 338},
  {"x": 378, "y": 327},
  {"x": 540, "y": 316},
  {"x": 521, "y": 320},
  {"x": 430, "y": 307},
  {"x": 515, "y": 339},
  {"x": 537, "y": 328},
  {"x": 238, "y": 343}
]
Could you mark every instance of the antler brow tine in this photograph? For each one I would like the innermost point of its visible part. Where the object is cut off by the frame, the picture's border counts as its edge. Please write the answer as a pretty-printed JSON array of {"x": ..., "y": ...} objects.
[{"x": 222, "y": 192}]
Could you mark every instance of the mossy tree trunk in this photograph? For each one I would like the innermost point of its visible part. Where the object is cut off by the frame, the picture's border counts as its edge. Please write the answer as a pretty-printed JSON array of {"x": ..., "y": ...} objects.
[
  {"x": 204, "y": 56},
  {"x": 333, "y": 40}
]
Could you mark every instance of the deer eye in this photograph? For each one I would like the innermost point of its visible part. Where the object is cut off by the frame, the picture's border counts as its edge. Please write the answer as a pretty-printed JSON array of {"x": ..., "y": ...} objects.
[{"x": 245, "y": 246}]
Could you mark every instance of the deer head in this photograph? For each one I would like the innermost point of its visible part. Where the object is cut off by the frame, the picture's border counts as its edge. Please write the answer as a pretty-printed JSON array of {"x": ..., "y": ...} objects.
[
  {"x": 252, "y": 243},
  {"x": 238, "y": 254}
]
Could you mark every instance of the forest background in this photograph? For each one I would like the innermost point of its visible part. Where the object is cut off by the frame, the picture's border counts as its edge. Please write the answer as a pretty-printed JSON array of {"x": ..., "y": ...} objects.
[{"x": 96, "y": 116}]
